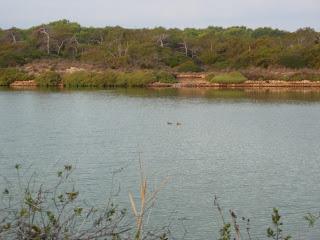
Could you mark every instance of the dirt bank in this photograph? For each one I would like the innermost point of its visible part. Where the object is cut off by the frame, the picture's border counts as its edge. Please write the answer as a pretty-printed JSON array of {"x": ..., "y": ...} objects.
[
  {"x": 196, "y": 83},
  {"x": 188, "y": 83},
  {"x": 18, "y": 84}
]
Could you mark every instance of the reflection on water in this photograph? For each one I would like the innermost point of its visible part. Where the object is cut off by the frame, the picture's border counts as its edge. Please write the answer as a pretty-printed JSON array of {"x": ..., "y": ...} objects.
[
  {"x": 275, "y": 94},
  {"x": 255, "y": 94},
  {"x": 255, "y": 149}
]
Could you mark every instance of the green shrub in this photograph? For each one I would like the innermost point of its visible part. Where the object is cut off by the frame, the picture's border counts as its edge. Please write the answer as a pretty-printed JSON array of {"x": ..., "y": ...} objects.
[
  {"x": 109, "y": 79},
  {"x": 232, "y": 77},
  {"x": 138, "y": 78},
  {"x": 189, "y": 66},
  {"x": 9, "y": 75},
  {"x": 105, "y": 79},
  {"x": 302, "y": 76},
  {"x": 171, "y": 58},
  {"x": 293, "y": 61},
  {"x": 76, "y": 79},
  {"x": 165, "y": 77},
  {"x": 47, "y": 79},
  {"x": 210, "y": 76}
]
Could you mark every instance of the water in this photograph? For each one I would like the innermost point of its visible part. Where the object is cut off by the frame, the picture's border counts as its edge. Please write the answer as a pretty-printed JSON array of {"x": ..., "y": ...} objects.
[{"x": 255, "y": 150}]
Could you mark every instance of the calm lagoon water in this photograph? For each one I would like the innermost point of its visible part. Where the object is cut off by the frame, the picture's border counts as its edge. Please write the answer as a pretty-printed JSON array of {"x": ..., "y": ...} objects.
[{"x": 255, "y": 150}]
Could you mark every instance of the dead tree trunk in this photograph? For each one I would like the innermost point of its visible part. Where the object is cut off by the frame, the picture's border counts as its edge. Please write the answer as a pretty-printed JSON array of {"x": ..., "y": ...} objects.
[
  {"x": 75, "y": 44},
  {"x": 161, "y": 39},
  {"x": 45, "y": 32},
  {"x": 185, "y": 46},
  {"x": 126, "y": 49},
  {"x": 14, "y": 41},
  {"x": 60, "y": 46}
]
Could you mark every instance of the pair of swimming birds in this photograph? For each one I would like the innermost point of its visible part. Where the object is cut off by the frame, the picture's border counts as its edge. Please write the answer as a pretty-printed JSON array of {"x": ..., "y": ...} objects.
[{"x": 178, "y": 123}]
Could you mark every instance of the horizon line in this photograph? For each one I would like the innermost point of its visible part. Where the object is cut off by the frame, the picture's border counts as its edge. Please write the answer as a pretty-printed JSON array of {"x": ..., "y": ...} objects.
[{"x": 159, "y": 26}]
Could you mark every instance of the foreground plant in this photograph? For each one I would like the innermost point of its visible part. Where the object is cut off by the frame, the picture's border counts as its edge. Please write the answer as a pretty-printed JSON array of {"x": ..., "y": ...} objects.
[
  {"x": 56, "y": 213},
  {"x": 275, "y": 232},
  {"x": 30, "y": 210},
  {"x": 147, "y": 200},
  {"x": 312, "y": 218}
]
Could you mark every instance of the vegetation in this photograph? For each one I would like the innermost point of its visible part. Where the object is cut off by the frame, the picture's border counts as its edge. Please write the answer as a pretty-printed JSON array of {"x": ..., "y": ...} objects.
[
  {"x": 113, "y": 78},
  {"x": 281, "y": 74},
  {"x": 189, "y": 66},
  {"x": 275, "y": 232},
  {"x": 30, "y": 209},
  {"x": 184, "y": 50},
  {"x": 119, "y": 57},
  {"x": 232, "y": 77},
  {"x": 9, "y": 75},
  {"x": 165, "y": 77},
  {"x": 48, "y": 79}
]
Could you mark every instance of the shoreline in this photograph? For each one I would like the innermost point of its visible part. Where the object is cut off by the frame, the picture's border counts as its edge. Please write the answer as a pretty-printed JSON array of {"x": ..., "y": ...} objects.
[
  {"x": 196, "y": 83},
  {"x": 246, "y": 84}
]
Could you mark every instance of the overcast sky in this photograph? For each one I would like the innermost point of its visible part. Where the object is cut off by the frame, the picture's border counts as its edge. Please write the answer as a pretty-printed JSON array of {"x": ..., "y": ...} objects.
[{"x": 283, "y": 14}]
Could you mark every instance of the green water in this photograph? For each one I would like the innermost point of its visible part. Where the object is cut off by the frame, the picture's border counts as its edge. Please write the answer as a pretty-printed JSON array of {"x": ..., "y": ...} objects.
[{"x": 255, "y": 150}]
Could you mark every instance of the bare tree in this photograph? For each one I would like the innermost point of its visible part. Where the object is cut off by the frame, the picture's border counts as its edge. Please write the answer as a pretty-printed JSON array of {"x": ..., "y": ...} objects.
[
  {"x": 162, "y": 38},
  {"x": 61, "y": 45},
  {"x": 122, "y": 51},
  {"x": 185, "y": 47},
  {"x": 73, "y": 42},
  {"x": 11, "y": 35},
  {"x": 14, "y": 41},
  {"x": 47, "y": 35}
]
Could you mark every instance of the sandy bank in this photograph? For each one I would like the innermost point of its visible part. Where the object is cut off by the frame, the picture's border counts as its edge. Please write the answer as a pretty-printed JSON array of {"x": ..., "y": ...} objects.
[
  {"x": 202, "y": 83},
  {"x": 187, "y": 83}
]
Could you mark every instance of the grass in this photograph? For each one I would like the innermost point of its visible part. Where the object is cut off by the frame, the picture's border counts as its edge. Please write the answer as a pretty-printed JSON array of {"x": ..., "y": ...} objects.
[
  {"x": 48, "y": 79},
  {"x": 283, "y": 74},
  {"x": 115, "y": 79},
  {"x": 9, "y": 75},
  {"x": 210, "y": 76},
  {"x": 102, "y": 79},
  {"x": 232, "y": 77},
  {"x": 108, "y": 79},
  {"x": 301, "y": 76},
  {"x": 189, "y": 66},
  {"x": 165, "y": 77}
]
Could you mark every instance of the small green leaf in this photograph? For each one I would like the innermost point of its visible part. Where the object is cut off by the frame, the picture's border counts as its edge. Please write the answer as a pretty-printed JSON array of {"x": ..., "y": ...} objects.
[
  {"x": 72, "y": 195},
  {"x": 78, "y": 211}
]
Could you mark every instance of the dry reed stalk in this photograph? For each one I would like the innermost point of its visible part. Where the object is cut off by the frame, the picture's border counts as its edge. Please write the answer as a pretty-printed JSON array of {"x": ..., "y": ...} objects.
[{"x": 146, "y": 201}]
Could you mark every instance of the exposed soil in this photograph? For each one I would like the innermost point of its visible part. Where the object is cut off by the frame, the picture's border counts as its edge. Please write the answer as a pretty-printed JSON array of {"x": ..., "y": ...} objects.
[{"x": 202, "y": 83}]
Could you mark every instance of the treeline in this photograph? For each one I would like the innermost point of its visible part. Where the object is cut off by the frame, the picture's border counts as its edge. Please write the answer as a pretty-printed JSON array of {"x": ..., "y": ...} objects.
[{"x": 185, "y": 50}]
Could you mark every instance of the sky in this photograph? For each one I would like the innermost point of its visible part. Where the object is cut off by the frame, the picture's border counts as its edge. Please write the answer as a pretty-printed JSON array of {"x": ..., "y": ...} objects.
[{"x": 283, "y": 14}]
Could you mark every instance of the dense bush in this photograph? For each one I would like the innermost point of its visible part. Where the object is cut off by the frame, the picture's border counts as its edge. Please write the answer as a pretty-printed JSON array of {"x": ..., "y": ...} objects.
[
  {"x": 232, "y": 77},
  {"x": 9, "y": 75},
  {"x": 293, "y": 61},
  {"x": 47, "y": 79},
  {"x": 165, "y": 77},
  {"x": 189, "y": 66},
  {"x": 90, "y": 79},
  {"x": 302, "y": 76},
  {"x": 137, "y": 78},
  {"x": 120, "y": 48},
  {"x": 109, "y": 79}
]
